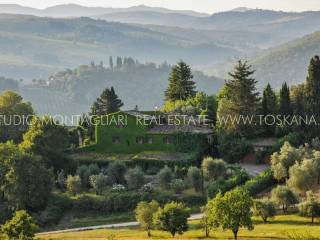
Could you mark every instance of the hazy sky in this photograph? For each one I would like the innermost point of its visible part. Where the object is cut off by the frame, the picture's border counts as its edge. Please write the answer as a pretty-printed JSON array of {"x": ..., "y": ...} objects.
[{"x": 197, "y": 5}]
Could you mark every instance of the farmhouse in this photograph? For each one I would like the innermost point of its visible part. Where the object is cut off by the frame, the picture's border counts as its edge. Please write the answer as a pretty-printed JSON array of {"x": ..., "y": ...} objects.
[{"x": 136, "y": 131}]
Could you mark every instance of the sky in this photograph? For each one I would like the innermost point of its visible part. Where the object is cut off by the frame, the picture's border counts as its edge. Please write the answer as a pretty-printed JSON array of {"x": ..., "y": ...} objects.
[{"x": 209, "y": 6}]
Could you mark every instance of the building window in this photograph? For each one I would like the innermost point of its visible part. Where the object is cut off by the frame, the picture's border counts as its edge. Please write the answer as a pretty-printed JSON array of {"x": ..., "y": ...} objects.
[
  {"x": 115, "y": 140},
  {"x": 167, "y": 140},
  {"x": 139, "y": 140},
  {"x": 149, "y": 140}
]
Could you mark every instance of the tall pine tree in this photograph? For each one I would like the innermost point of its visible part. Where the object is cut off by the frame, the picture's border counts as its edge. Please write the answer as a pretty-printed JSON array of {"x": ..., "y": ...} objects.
[
  {"x": 181, "y": 86},
  {"x": 241, "y": 99},
  {"x": 285, "y": 107},
  {"x": 107, "y": 103},
  {"x": 269, "y": 107}
]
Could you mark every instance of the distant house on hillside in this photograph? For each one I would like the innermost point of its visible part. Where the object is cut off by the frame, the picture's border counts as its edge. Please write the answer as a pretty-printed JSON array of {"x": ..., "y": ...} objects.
[{"x": 137, "y": 131}]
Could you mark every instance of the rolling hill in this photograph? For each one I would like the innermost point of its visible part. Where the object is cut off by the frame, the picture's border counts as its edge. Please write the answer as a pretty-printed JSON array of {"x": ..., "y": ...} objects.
[
  {"x": 33, "y": 47},
  {"x": 288, "y": 62}
]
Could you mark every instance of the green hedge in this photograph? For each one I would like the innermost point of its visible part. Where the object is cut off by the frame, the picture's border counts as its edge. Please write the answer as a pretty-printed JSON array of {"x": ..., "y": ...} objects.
[
  {"x": 127, "y": 201},
  {"x": 222, "y": 185},
  {"x": 260, "y": 182}
]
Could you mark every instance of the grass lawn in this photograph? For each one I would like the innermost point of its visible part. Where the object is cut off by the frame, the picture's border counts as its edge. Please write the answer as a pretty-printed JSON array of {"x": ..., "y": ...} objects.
[{"x": 281, "y": 227}]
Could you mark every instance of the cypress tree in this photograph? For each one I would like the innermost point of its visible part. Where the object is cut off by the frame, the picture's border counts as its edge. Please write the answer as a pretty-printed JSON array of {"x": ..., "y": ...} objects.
[
  {"x": 181, "y": 86},
  {"x": 269, "y": 107},
  {"x": 107, "y": 103},
  {"x": 312, "y": 87},
  {"x": 285, "y": 108},
  {"x": 111, "y": 63},
  {"x": 242, "y": 98},
  {"x": 269, "y": 101}
]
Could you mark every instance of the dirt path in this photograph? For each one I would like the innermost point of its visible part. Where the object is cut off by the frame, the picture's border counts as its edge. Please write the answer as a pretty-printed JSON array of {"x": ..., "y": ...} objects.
[{"x": 115, "y": 225}]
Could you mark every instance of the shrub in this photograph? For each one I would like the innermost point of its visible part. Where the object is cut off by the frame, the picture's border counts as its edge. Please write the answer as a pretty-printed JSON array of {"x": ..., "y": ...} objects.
[
  {"x": 164, "y": 177},
  {"x": 57, "y": 206},
  {"x": 21, "y": 227},
  {"x": 195, "y": 178},
  {"x": 177, "y": 185},
  {"x": 74, "y": 184},
  {"x": 213, "y": 168},
  {"x": 135, "y": 178}
]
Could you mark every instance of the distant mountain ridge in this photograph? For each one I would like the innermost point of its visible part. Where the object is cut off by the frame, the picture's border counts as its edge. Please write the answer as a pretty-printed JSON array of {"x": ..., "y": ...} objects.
[{"x": 75, "y": 10}]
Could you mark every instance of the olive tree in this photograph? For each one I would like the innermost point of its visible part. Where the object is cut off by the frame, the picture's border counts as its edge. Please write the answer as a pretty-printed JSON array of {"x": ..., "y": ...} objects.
[
  {"x": 302, "y": 176},
  {"x": 310, "y": 208},
  {"x": 164, "y": 177},
  {"x": 213, "y": 168},
  {"x": 282, "y": 195},
  {"x": 264, "y": 208},
  {"x": 73, "y": 184},
  {"x": 144, "y": 214},
  {"x": 195, "y": 178},
  {"x": 135, "y": 178}
]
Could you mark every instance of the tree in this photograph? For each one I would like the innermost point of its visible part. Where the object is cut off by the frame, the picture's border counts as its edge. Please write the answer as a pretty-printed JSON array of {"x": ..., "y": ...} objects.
[
  {"x": 98, "y": 182},
  {"x": 282, "y": 195},
  {"x": 264, "y": 208},
  {"x": 311, "y": 207},
  {"x": 269, "y": 101},
  {"x": 84, "y": 173},
  {"x": 61, "y": 180},
  {"x": 302, "y": 176},
  {"x": 283, "y": 160},
  {"x": 181, "y": 86},
  {"x": 111, "y": 63},
  {"x": 269, "y": 107},
  {"x": 195, "y": 178},
  {"x": 298, "y": 99},
  {"x": 177, "y": 185},
  {"x": 26, "y": 182},
  {"x": 73, "y": 184},
  {"x": 144, "y": 214},
  {"x": 285, "y": 108},
  {"x": 231, "y": 211},
  {"x": 48, "y": 139},
  {"x": 241, "y": 100},
  {"x": 213, "y": 168},
  {"x": 135, "y": 178},
  {"x": 15, "y": 116},
  {"x": 119, "y": 63},
  {"x": 173, "y": 218},
  {"x": 20, "y": 227},
  {"x": 107, "y": 103},
  {"x": 312, "y": 87},
  {"x": 232, "y": 146},
  {"x": 116, "y": 171},
  {"x": 164, "y": 177}
]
